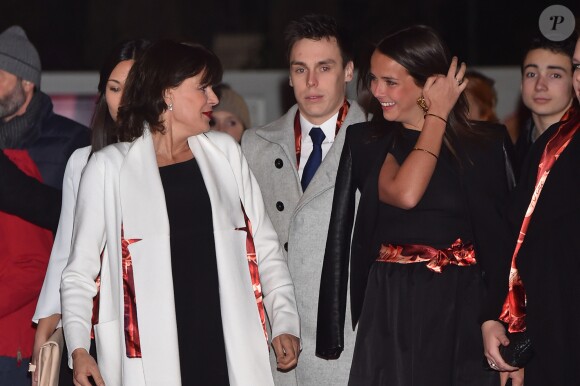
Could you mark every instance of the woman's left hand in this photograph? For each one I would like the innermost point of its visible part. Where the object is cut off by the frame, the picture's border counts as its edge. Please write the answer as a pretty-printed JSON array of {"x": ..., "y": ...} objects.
[
  {"x": 494, "y": 335},
  {"x": 442, "y": 91},
  {"x": 287, "y": 349}
]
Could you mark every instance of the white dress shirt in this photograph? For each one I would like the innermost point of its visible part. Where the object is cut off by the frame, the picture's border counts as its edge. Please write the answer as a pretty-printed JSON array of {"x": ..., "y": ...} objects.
[{"x": 329, "y": 129}]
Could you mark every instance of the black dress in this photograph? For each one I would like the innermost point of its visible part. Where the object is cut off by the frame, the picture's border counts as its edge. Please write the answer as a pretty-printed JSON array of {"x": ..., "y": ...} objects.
[
  {"x": 202, "y": 354},
  {"x": 418, "y": 327},
  {"x": 415, "y": 327}
]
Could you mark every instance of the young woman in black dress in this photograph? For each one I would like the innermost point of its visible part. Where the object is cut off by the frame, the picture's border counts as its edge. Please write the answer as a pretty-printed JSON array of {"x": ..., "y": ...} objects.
[{"x": 428, "y": 226}]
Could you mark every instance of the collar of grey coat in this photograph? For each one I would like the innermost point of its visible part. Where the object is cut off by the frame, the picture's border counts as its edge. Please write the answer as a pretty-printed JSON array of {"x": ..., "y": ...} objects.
[{"x": 281, "y": 132}]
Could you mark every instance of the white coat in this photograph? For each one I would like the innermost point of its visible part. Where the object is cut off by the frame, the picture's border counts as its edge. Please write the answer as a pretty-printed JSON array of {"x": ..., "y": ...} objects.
[
  {"x": 121, "y": 185},
  {"x": 49, "y": 299}
]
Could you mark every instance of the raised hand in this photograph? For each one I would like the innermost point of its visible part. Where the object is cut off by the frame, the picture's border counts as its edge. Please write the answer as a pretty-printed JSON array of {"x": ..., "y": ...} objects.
[{"x": 442, "y": 91}]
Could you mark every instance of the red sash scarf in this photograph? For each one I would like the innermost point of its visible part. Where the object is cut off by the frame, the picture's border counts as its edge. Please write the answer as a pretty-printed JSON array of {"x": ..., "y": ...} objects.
[
  {"x": 132, "y": 340},
  {"x": 457, "y": 254},
  {"x": 514, "y": 308},
  {"x": 254, "y": 273},
  {"x": 298, "y": 129}
]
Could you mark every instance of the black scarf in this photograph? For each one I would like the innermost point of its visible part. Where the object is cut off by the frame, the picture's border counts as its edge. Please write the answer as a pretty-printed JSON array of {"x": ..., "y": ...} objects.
[{"x": 23, "y": 130}]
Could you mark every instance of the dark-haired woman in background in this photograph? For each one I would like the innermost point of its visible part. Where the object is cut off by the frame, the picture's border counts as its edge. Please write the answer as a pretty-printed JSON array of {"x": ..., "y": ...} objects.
[
  {"x": 111, "y": 82},
  {"x": 428, "y": 224},
  {"x": 192, "y": 261}
]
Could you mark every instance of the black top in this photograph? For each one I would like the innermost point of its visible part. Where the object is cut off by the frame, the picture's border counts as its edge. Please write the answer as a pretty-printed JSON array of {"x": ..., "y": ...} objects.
[
  {"x": 440, "y": 217},
  {"x": 195, "y": 276}
]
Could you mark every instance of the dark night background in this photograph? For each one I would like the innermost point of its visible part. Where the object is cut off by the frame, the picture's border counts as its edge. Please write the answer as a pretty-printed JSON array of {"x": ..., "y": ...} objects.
[{"x": 74, "y": 35}]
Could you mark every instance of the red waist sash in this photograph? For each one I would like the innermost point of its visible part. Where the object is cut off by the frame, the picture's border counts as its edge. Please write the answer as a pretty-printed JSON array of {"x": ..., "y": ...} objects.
[{"x": 457, "y": 254}]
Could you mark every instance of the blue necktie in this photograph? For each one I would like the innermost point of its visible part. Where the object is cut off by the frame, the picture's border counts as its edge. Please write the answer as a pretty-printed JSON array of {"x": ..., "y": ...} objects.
[{"x": 315, "y": 158}]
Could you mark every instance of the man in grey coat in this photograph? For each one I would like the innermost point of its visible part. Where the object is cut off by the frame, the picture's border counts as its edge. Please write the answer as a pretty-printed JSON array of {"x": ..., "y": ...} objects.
[{"x": 295, "y": 160}]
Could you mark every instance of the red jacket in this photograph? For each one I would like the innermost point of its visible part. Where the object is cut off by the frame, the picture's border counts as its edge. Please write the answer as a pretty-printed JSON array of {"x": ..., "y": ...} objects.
[{"x": 24, "y": 253}]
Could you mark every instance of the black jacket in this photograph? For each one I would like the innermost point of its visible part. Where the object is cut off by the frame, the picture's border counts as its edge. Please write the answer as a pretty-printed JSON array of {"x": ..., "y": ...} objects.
[{"x": 549, "y": 263}]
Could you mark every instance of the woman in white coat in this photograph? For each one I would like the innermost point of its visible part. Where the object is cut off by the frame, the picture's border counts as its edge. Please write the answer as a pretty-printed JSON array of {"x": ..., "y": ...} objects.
[
  {"x": 191, "y": 262},
  {"x": 112, "y": 78}
]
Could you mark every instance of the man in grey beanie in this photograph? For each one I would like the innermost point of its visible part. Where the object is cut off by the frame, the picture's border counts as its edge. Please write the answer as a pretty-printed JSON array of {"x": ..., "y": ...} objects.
[
  {"x": 19, "y": 68},
  {"x": 35, "y": 145}
]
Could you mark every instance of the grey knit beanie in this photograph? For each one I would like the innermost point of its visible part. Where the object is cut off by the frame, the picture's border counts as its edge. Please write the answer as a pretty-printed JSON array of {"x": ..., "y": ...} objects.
[{"x": 18, "y": 56}]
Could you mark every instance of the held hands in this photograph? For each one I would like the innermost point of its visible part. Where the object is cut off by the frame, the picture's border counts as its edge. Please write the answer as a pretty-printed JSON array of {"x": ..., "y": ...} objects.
[
  {"x": 442, "y": 91},
  {"x": 287, "y": 349},
  {"x": 84, "y": 366}
]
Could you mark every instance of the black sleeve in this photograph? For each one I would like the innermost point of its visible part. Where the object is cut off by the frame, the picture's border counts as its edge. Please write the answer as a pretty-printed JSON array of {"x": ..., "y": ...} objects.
[
  {"x": 488, "y": 199},
  {"x": 28, "y": 198},
  {"x": 508, "y": 151},
  {"x": 334, "y": 280}
]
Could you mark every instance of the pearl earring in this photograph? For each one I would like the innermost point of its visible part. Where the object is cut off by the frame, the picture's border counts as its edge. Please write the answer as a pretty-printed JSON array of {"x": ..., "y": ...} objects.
[{"x": 170, "y": 107}]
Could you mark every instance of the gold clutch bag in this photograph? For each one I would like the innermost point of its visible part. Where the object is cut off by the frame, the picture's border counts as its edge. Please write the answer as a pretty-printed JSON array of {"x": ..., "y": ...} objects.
[{"x": 49, "y": 357}]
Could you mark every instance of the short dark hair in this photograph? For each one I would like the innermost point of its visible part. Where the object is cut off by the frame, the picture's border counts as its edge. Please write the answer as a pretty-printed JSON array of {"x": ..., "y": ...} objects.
[
  {"x": 102, "y": 125},
  {"x": 165, "y": 65},
  {"x": 565, "y": 47},
  {"x": 317, "y": 27}
]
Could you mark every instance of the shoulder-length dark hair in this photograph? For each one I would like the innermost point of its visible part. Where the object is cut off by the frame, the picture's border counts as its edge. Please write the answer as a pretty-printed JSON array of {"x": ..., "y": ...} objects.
[
  {"x": 164, "y": 66},
  {"x": 422, "y": 52},
  {"x": 103, "y": 126}
]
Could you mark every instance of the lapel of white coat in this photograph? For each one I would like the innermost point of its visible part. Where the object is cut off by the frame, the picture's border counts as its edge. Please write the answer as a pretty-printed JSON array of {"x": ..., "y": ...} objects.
[
  {"x": 243, "y": 334},
  {"x": 144, "y": 217}
]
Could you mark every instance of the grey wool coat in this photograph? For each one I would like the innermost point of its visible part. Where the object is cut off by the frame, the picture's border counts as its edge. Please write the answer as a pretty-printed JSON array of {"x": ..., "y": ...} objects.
[{"x": 301, "y": 221}]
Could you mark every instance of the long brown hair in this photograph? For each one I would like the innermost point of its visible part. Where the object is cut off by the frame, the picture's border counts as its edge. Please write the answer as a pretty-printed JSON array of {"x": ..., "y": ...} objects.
[{"x": 422, "y": 52}]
